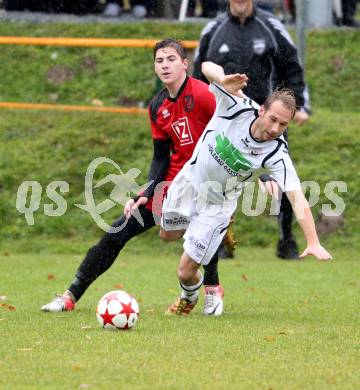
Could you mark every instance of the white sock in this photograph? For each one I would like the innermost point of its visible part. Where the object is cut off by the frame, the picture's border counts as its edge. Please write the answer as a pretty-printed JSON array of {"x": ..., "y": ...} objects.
[{"x": 191, "y": 292}]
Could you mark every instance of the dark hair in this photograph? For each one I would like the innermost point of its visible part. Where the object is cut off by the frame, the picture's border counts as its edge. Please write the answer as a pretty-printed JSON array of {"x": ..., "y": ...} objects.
[
  {"x": 287, "y": 98},
  {"x": 177, "y": 45}
]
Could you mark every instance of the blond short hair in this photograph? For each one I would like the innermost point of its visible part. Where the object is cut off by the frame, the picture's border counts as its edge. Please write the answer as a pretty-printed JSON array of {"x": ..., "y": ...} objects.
[{"x": 285, "y": 96}]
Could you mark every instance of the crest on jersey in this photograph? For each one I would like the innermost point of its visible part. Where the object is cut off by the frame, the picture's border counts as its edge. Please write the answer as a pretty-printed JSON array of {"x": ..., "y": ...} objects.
[
  {"x": 259, "y": 46},
  {"x": 165, "y": 113},
  {"x": 182, "y": 130},
  {"x": 224, "y": 48},
  {"x": 188, "y": 103}
]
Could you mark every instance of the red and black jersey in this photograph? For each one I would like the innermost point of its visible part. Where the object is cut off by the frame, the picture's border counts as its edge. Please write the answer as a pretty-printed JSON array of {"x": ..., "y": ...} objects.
[{"x": 181, "y": 120}]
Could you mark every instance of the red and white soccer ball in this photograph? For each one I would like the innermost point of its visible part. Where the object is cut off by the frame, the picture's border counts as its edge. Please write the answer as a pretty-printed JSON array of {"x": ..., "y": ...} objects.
[{"x": 117, "y": 310}]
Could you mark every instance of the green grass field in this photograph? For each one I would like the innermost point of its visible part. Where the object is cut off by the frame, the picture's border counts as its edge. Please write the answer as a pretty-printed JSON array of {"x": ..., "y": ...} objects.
[{"x": 286, "y": 326}]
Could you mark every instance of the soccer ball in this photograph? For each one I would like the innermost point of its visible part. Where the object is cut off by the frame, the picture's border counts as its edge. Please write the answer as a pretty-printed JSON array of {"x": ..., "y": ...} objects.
[{"x": 117, "y": 310}]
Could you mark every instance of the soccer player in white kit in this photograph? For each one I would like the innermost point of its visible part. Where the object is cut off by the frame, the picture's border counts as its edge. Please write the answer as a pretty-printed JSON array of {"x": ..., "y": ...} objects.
[{"x": 241, "y": 140}]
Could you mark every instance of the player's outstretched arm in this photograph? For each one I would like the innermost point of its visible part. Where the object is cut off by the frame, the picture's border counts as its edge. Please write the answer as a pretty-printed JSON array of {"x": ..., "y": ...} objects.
[
  {"x": 306, "y": 221},
  {"x": 233, "y": 83}
]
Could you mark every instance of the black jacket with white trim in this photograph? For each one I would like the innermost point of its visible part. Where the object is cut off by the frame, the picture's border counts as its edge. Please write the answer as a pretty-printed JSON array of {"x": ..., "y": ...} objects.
[{"x": 261, "y": 47}]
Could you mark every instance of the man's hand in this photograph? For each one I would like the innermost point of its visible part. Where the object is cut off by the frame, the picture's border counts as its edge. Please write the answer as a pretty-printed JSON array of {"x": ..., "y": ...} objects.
[
  {"x": 318, "y": 251},
  {"x": 268, "y": 185},
  {"x": 306, "y": 221},
  {"x": 234, "y": 83},
  {"x": 131, "y": 206},
  {"x": 301, "y": 117}
]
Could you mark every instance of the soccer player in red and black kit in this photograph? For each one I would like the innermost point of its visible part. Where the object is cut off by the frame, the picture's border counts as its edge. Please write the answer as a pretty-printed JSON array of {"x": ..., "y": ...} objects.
[{"x": 178, "y": 115}]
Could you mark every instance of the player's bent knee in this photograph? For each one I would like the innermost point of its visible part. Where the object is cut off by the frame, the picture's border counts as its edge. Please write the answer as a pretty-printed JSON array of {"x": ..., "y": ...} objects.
[
  {"x": 184, "y": 274},
  {"x": 164, "y": 235},
  {"x": 187, "y": 270},
  {"x": 170, "y": 235}
]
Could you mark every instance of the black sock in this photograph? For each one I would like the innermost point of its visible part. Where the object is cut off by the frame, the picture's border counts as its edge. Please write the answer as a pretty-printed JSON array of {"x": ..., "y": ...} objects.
[
  {"x": 98, "y": 260},
  {"x": 211, "y": 276},
  {"x": 101, "y": 256}
]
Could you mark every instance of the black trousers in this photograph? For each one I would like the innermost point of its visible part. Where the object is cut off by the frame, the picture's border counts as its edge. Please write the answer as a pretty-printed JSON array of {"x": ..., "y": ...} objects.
[
  {"x": 101, "y": 256},
  {"x": 286, "y": 213},
  {"x": 349, "y": 10},
  {"x": 209, "y": 8}
]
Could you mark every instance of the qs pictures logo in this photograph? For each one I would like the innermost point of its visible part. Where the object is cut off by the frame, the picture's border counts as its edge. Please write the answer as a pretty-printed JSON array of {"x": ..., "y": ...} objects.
[{"x": 30, "y": 193}]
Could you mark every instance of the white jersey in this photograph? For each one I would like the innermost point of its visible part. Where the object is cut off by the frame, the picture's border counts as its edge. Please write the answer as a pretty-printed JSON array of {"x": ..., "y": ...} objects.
[
  {"x": 204, "y": 194},
  {"x": 227, "y": 156}
]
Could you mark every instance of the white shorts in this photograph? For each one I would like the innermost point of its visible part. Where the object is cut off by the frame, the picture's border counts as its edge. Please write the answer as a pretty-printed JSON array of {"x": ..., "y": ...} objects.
[{"x": 205, "y": 226}]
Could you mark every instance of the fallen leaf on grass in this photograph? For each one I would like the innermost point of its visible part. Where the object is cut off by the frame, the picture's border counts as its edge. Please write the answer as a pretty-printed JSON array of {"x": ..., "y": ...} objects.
[
  {"x": 270, "y": 338},
  {"x": 9, "y": 307},
  {"x": 51, "y": 277},
  {"x": 76, "y": 367},
  {"x": 282, "y": 333},
  {"x": 252, "y": 289},
  {"x": 24, "y": 349},
  {"x": 97, "y": 102},
  {"x": 119, "y": 285},
  {"x": 332, "y": 381},
  {"x": 244, "y": 277},
  {"x": 3, "y": 297}
]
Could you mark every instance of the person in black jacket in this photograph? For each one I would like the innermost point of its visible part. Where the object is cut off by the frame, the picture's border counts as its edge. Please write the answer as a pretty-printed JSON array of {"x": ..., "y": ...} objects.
[{"x": 248, "y": 40}]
